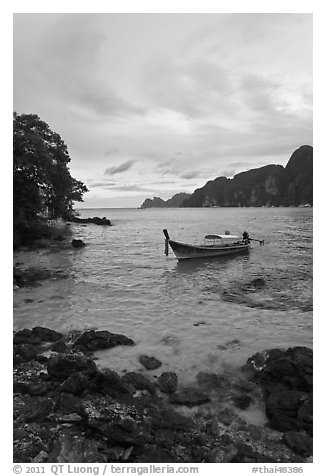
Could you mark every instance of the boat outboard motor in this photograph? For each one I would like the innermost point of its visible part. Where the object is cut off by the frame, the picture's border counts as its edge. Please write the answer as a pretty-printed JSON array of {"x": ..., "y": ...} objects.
[{"x": 245, "y": 237}]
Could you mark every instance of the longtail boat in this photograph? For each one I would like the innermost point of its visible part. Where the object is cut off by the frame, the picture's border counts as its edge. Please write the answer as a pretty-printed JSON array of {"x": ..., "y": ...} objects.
[{"x": 215, "y": 245}]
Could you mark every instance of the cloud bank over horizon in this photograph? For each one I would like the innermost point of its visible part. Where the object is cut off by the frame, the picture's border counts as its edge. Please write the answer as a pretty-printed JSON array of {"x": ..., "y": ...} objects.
[{"x": 161, "y": 103}]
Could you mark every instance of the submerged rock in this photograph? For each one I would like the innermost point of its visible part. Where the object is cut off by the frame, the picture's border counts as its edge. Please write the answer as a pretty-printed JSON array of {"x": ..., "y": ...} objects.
[
  {"x": 254, "y": 285},
  {"x": 77, "y": 243},
  {"x": 211, "y": 382},
  {"x": 32, "y": 276},
  {"x": 150, "y": 363}
]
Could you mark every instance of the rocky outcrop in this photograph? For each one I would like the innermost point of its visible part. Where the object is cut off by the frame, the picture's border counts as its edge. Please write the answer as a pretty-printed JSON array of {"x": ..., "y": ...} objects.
[
  {"x": 36, "y": 336},
  {"x": 157, "y": 202},
  {"x": 95, "y": 221},
  {"x": 90, "y": 341},
  {"x": 286, "y": 377}
]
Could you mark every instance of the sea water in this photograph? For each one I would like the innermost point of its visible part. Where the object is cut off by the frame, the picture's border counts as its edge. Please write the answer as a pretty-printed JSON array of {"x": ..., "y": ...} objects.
[{"x": 197, "y": 315}]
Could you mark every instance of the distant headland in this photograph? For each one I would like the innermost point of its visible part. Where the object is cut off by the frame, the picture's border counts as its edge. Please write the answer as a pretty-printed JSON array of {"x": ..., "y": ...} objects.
[{"x": 268, "y": 186}]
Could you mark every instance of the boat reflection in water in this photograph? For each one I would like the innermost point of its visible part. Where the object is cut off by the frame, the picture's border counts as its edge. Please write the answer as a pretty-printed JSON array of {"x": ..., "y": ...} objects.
[{"x": 214, "y": 264}]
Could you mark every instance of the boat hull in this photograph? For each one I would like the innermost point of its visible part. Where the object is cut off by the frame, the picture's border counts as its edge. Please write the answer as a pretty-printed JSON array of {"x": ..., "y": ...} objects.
[{"x": 185, "y": 251}]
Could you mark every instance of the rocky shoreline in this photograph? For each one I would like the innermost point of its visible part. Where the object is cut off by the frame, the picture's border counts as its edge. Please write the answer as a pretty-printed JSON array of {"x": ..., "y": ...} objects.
[
  {"x": 52, "y": 234},
  {"x": 66, "y": 409}
]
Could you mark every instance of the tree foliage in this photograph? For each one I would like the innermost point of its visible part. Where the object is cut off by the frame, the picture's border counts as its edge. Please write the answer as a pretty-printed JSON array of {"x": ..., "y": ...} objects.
[{"x": 42, "y": 180}]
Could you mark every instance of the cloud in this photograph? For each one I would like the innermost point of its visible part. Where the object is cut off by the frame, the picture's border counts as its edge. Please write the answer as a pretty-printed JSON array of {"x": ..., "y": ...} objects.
[
  {"x": 114, "y": 186},
  {"x": 117, "y": 169},
  {"x": 190, "y": 87},
  {"x": 133, "y": 188},
  {"x": 102, "y": 184},
  {"x": 166, "y": 169},
  {"x": 105, "y": 102},
  {"x": 68, "y": 63},
  {"x": 189, "y": 174}
]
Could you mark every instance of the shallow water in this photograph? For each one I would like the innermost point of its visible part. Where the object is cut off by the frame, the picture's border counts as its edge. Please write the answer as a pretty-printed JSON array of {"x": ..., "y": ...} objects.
[{"x": 201, "y": 315}]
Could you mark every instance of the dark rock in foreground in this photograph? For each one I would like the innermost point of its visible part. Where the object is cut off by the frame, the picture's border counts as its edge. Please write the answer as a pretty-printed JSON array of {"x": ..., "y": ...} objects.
[
  {"x": 109, "y": 382},
  {"x": 62, "y": 366},
  {"x": 59, "y": 346},
  {"x": 189, "y": 396},
  {"x": 136, "y": 381},
  {"x": 36, "y": 336},
  {"x": 168, "y": 382},
  {"x": 299, "y": 442},
  {"x": 76, "y": 383},
  {"x": 119, "y": 423},
  {"x": 279, "y": 369},
  {"x": 290, "y": 410},
  {"x": 286, "y": 377},
  {"x": 242, "y": 401},
  {"x": 90, "y": 341},
  {"x": 169, "y": 418},
  {"x": 67, "y": 410}
]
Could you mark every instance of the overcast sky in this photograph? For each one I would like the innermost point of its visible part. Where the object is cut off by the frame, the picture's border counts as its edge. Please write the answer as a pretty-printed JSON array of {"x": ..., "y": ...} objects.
[{"x": 154, "y": 104}]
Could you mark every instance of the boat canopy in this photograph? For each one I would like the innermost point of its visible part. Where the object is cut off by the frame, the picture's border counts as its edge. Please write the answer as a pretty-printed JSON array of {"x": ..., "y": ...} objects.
[{"x": 221, "y": 237}]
